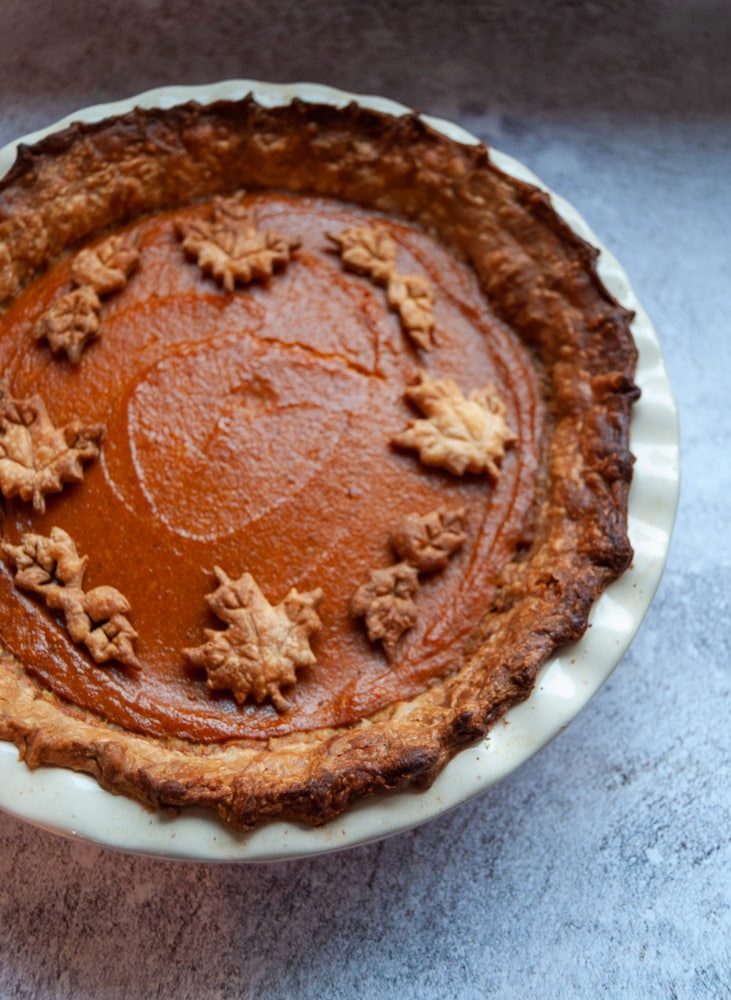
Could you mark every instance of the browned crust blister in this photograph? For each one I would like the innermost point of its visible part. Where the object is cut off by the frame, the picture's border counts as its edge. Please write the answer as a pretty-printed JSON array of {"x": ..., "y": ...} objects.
[{"x": 538, "y": 276}]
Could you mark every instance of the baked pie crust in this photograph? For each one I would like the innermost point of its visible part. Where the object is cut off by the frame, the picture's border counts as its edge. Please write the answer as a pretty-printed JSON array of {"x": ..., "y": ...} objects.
[{"x": 506, "y": 274}]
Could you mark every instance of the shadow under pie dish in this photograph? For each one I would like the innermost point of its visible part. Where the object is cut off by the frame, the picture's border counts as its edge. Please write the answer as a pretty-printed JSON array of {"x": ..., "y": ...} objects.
[{"x": 315, "y": 446}]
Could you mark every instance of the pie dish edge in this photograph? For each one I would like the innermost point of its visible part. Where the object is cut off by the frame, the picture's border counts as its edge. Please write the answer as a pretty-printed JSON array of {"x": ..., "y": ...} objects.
[{"x": 359, "y": 825}]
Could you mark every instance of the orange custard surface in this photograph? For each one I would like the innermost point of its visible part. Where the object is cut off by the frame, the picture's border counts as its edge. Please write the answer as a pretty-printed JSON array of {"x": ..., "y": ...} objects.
[{"x": 252, "y": 431}]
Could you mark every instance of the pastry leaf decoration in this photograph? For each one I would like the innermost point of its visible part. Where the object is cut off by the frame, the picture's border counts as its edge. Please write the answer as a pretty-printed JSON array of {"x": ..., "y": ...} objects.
[
  {"x": 367, "y": 250},
  {"x": 459, "y": 434},
  {"x": 73, "y": 319},
  {"x": 386, "y": 599},
  {"x": 106, "y": 267},
  {"x": 428, "y": 540},
  {"x": 51, "y": 567},
  {"x": 70, "y": 322},
  {"x": 263, "y": 645},
  {"x": 413, "y": 297},
  {"x": 230, "y": 247},
  {"x": 370, "y": 250},
  {"x": 386, "y": 602},
  {"x": 36, "y": 457}
]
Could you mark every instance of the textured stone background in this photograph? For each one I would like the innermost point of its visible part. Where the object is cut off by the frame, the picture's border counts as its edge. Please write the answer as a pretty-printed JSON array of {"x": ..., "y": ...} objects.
[{"x": 603, "y": 867}]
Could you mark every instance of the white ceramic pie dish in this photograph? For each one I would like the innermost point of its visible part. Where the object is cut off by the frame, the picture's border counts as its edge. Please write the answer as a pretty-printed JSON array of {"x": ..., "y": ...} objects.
[{"x": 74, "y": 805}]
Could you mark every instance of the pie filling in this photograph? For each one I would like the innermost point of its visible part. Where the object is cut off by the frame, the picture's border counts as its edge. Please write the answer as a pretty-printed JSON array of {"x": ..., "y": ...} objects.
[
  {"x": 313, "y": 447},
  {"x": 252, "y": 430}
]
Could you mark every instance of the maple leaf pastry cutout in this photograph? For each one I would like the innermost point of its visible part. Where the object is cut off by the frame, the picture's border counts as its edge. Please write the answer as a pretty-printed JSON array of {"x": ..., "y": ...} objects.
[
  {"x": 370, "y": 250},
  {"x": 263, "y": 645},
  {"x": 51, "y": 567},
  {"x": 459, "y": 434},
  {"x": 107, "y": 267},
  {"x": 70, "y": 322},
  {"x": 36, "y": 457},
  {"x": 230, "y": 246},
  {"x": 367, "y": 250}
]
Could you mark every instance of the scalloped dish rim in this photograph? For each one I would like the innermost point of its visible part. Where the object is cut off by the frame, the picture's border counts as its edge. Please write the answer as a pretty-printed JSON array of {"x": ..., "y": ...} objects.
[{"x": 75, "y": 805}]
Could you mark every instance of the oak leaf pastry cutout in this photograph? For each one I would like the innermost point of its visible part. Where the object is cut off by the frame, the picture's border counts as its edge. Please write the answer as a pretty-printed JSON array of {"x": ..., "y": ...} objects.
[
  {"x": 386, "y": 602},
  {"x": 263, "y": 645},
  {"x": 73, "y": 319},
  {"x": 426, "y": 541},
  {"x": 460, "y": 434},
  {"x": 370, "y": 250},
  {"x": 51, "y": 567},
  {"x": 36, "y": 457},
  {"x": 231, "y": 248}
]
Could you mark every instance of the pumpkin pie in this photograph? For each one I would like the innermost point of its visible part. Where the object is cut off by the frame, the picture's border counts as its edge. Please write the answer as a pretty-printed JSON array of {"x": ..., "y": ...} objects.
[{"x": 313, "y": 447}]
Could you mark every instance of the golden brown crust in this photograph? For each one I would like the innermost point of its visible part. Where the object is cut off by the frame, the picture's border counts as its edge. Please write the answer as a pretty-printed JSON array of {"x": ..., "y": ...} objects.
[{"x": 538, "y": 276}]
